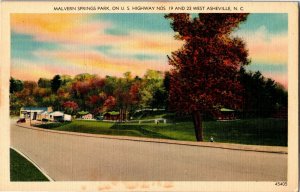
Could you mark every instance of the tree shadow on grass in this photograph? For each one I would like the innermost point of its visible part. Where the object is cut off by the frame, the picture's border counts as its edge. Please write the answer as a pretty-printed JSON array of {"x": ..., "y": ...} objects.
[{"x": 138, "y": 128}]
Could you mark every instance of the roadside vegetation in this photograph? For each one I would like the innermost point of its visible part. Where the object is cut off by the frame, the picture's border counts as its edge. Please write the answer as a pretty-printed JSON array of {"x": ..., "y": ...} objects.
[
  {"x": 265, "y": 131},
  {"x": 22, "y": 170},
  {"x": 51, "y": 125}
]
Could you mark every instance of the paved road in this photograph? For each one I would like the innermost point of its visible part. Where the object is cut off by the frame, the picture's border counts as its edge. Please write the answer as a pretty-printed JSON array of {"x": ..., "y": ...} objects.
[{"x": 78, "y": 158}]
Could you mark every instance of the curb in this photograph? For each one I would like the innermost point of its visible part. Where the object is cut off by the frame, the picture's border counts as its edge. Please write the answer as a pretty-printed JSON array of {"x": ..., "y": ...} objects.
[
  {"x": 32, "y": 162},
  {"x": 229, "y": 146}
]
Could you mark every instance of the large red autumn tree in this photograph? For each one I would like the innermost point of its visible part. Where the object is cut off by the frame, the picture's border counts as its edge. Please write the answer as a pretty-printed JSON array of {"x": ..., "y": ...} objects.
[{"x": 204, "y": 74}]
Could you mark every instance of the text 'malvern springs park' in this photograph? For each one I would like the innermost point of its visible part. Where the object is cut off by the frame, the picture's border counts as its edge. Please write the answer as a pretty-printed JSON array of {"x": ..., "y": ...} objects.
[{"x": 91, "y": 88}]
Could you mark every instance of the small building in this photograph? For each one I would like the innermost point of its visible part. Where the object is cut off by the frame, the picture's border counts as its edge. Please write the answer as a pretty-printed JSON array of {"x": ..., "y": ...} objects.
[
  {"x": 114, "y": 116},
  {"x": 82, "y": 113},
  {"x": 111, "y": 116},
  {"x": 32, "y": 112},
  {"x": 56, "y": 116},
  {"x": 87, "y": 116},
  {"x": 42, "y": 115},
  {"x": 67, "y": 117},
  {"x": 226, "y": 114}
]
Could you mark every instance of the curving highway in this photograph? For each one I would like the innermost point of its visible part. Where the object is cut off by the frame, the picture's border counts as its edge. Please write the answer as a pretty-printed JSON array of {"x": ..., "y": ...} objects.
[{"x": 67, "y": 157}]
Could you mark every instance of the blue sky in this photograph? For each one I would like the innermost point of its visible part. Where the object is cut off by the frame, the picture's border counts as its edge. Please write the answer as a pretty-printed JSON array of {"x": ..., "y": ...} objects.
[{"x": 111, "y": 44}]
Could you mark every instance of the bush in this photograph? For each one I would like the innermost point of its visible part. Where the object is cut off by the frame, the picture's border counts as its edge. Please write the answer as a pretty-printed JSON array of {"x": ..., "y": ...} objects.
[
  {"x": 51, "y": 125},
  {"x": 45, "y": 120}
]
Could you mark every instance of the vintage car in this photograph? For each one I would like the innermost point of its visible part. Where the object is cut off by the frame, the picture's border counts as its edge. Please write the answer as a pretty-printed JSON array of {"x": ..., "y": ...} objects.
[{"x": 21, "y": 120}]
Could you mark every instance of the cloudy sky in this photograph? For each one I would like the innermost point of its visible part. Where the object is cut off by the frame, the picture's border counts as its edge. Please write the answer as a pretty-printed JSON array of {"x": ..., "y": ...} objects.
[{"x": 43, "y": 45}]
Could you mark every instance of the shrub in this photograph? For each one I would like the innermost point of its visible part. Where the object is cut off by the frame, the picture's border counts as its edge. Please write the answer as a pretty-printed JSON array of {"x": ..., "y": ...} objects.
[
  {"x": 51, "y": 125},
  {"x": 45, "y": 120}
]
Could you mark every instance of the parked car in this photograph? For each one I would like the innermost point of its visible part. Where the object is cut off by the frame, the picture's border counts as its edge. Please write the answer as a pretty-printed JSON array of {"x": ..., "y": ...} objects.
[{"x": 21, "y": 120}]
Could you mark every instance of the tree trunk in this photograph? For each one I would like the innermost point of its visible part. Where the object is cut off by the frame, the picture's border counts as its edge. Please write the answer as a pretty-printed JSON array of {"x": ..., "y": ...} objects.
[
  {"x": 197, "y": 119},
  {"x": 120, "y": 115},
  {"x": 125, "y": 114}
]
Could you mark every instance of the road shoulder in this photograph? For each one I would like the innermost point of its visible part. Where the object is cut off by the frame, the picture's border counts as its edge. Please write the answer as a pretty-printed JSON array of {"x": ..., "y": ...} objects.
[{"x": 230, "y": 146}]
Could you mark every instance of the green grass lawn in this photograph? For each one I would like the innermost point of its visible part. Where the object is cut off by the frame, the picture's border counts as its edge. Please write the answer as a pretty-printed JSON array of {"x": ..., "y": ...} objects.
[
  {"x": 248, "y": 131},
  {"x": 22, "y": 170}
]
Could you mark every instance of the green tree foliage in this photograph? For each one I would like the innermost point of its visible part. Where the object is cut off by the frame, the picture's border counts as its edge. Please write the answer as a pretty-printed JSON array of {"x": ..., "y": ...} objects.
[
  {"x": 65, "y": 79},
  {"x": 110, "y": 85},
  {"x": 167, "y": 88},
  {"x": 52, "y": 100},
  {"x": 263, "y": 97},
  {"x": 152, "y": 83},
  {"x": 159, "y": 98},
  {"x": 23, "y": 97},
  {"x": 56, "y": 83},
  {"x": 83, "y": 77},
  {"x": 15, "y": 104},
  {"x": 15, "y": 85},
  {"x": 44, "y": 83}
]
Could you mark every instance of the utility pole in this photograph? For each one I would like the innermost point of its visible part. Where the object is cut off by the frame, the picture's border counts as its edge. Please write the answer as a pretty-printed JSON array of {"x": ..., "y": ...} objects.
[{"x": 30, "y": 117}]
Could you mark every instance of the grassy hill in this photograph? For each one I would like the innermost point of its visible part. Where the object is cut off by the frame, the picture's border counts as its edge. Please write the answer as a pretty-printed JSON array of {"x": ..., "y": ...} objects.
[{"x": 249, "y": 131}]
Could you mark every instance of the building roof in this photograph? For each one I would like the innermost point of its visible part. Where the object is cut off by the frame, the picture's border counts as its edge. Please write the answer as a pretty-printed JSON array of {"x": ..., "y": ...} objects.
[
  {"x": 35, "y": 108},
  {"x": 112, "y": 113},
  {"x": 44, "y": 112},
  {"x": 226, "y": 110},
  {"x": 57, "y": 113},
  {"x": 83, "y": 112}
]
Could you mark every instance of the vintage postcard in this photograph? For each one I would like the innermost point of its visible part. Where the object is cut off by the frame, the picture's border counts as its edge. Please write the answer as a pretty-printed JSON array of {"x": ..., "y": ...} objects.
[{"x": 149, "y": 96}]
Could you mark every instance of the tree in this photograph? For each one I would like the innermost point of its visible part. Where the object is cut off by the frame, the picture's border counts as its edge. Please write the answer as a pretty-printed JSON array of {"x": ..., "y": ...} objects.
[
  {"x": 95, "y": 102},
  {"x": 15, "y": 85},
  {"x": 80, "y": 90},
  {"x": 86, "y": 91},
  {"x": 167, "y": 88},
  {"x": 55, "y": 83},
  {"x": 109, "y": 103},
  {"x": 52, "y": 100},
  {"x": 134, "y": 93},
  {"x": 151, "y": 83},
  {"x": 29, "y": 87},
  {"x": 159, "y": 98},
  {"x": 84, "y": 77},
  {"x": 22, "y": 95},
  {"x": 204, "y": 76},
  {"x": 122, "y": 95},
  {"x": 65, "y": 79},
  {"x": 160, "y": 93},
  {"x": 44, "y": 83},
  {"x": 110, "y": 85},
  {"x": 15, "y": 104},
  {"x": 70, "y": 107},
  {"x": 263, "y": 97}
]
